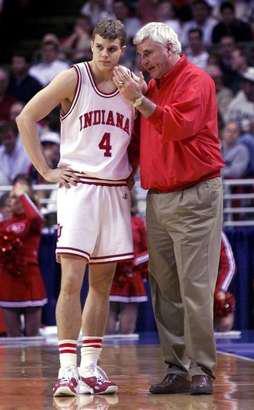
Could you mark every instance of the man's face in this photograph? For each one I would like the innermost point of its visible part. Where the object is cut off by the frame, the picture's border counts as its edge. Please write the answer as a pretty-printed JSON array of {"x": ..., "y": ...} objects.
[
  {"x": 200, "y": 12},
  {"x": 248, "y": 88},
  {"x": 9, "y": 140},
  {"x": 18, "y": 65},
  {"x": 226, "y": 46},
  {"x": 228, "y": 16},
  {"x": 155, "y": 58},
  {"x": 195, "y": 40},
  {"x": 49, "y": 53},
  {"x": 237, "y": 60},
  {"x": 106, "y": 53},
  {"x": 231, "y": 132}
]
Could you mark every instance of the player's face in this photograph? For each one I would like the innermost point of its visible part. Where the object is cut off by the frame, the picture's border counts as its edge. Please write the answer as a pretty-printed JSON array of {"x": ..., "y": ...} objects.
[
  {"x": 154, "y": 58},
  {"x": 106, "y": 53}
]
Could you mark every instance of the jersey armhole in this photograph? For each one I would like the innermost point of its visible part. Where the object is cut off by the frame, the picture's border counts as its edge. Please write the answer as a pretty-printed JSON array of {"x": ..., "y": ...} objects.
[{"x": 76, "y": 94}]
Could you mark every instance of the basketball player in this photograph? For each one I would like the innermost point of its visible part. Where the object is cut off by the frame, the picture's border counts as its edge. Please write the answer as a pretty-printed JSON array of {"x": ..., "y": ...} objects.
[{"x": 93, "y": 199}]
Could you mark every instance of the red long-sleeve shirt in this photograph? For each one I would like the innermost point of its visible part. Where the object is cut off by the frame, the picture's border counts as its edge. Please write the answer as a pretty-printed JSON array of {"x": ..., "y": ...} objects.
[{"x": 179, "y": 141}]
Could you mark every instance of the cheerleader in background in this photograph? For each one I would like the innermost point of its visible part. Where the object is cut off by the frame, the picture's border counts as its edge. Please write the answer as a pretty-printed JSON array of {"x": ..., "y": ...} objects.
[
  {"x": 22, "y": 290},
  {"x": 128, "y": 288},
  {"x": 224, "y": 301}
]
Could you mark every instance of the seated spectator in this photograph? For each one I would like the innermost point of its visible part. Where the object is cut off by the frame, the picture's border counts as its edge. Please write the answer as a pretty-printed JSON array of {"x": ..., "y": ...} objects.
[
  {"x": 128, "y": 288},
  {"x": 239, "y": 65},
  {"x": 15, "y": 110},
  {"x": 146, "y": 11},
  {"x": 13, "y": 158},
  {"x": 224, "y": 301},
  {"x": 202, "y": 19},
  {"x": 236, "y": 155},
  {"x": 97, "y": 10},
  {"x": 224, "y": 94},
  {"x": 196, "y": 51},
  {"x": 6, "y": 100},
  {"x": 22, "y": 85},
  {"x": 50, "y": 64},
  {"x": 122, "y": 12},
  {"x": 225, "y": 50},
  {"x": 21, "y": 287},
  {"x": 77, "y": 45},
  {"x": 230, "y": 25},
  {"x": 242, "y": 105},
  {"x": 165, "y": 14}
]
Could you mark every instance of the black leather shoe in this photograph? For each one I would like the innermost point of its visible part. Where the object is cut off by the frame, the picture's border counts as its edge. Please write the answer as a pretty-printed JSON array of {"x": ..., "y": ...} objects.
[
  {"x": 171, "y": 384},
  {"x": 201, "y": 384}
]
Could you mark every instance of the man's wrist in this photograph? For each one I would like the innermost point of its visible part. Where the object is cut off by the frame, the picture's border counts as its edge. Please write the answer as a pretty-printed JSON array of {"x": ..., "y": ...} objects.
[{"x": 138, "y": 101}]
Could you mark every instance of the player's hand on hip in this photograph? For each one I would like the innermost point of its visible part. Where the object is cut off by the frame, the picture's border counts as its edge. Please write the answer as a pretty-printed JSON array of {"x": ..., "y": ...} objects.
[{"x": 63, "y": 175}]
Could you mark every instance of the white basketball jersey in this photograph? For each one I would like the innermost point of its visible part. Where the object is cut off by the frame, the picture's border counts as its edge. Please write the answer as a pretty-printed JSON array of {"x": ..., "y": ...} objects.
[{"x": 96, "y": 130}]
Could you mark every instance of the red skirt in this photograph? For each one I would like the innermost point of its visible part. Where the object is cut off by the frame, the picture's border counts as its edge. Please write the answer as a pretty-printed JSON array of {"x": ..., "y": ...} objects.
[
  {"x": 24, "y": 290},
  {"x": 128, "y": 288}
]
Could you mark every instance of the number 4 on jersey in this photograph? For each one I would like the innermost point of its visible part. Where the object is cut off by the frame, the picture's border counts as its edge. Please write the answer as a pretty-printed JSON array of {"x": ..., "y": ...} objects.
[{"x": 105, "y": 145}]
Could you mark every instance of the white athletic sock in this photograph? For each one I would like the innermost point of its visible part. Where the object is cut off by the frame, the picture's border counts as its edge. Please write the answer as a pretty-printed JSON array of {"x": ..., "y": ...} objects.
[
  {"x": 90, "y": 353},
  {"x": 67, "y": 352}
]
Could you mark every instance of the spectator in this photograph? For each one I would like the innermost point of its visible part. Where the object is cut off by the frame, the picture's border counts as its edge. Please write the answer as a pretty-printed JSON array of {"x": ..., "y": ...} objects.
[
  {"x": 223, "y": 94},
  {"x": 225, "y": 50},
  {"x": 128, "y": 288},
  {"x": 236, "y": 155},
  {"x": 122, "y": 12},
  {"x": 22, "y": 85},
  {"x": 5, "y": 100},
  {"x": 239, "y": 65},
  {"x": 50, "y": 65},
  {"x": 230, "y": 25},
  {"x": 21, "y": 287},
  {"x": 51, "y": 149},
  {"x": 165, "y": 13},
  {"x": 97, "y": 10},
  {"x": 242, "y": 105},
  {"x": 196, "y": 51},
  {"x": 15, "y": 110},
  {"x": 202, "y": 19},
  {"x": 13, "y": 158},
  {"x": 77, "y": 45}
]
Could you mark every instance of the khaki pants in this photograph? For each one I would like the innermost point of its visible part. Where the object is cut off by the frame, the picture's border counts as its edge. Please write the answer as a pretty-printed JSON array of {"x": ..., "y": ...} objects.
[{"x": 184, "y": 236}]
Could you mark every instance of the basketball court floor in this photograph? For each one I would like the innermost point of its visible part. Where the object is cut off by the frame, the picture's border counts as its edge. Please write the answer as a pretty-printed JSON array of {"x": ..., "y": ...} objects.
[{"x": 28, "y": 369}]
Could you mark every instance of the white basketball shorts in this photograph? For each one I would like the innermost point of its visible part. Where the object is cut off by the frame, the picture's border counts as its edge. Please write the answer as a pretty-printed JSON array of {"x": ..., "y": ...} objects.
[{"x": 94, "y": 222}]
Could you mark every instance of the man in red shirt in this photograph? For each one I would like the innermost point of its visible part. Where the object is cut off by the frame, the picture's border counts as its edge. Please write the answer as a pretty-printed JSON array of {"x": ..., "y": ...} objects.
[{"x": 180, "y": 165}]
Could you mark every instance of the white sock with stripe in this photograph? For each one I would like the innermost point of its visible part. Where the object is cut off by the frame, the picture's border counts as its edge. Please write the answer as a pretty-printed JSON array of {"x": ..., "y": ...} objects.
[
  {"x": 90, "y": 353},
  {"x": 67, "y": 352}
]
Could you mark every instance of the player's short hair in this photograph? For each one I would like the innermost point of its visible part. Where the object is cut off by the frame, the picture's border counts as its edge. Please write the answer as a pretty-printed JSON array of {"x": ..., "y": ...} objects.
[
  {"x": 161, "y": 33},
  {"x": 111, "y": 30}
]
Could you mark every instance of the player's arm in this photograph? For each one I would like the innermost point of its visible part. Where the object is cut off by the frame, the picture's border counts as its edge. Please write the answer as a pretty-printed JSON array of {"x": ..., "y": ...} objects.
[{"x": 59, "y": 91}]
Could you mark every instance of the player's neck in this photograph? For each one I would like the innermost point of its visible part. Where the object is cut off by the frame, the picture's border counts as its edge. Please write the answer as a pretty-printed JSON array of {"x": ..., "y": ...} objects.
[{"x": 100, "y": 75}]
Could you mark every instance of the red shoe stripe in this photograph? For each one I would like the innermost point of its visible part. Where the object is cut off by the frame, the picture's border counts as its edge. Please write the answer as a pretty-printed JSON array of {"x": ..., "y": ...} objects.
[{"x": 68, "y": 351}]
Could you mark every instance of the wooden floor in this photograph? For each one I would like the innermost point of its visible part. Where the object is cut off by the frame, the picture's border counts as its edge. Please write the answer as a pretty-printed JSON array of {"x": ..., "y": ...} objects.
[{"x": 28, "y": 372}]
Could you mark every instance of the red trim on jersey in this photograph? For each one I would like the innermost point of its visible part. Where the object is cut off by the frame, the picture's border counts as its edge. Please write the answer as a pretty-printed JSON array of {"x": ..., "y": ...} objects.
[
  {"x": 73, "y": 251},
  {"x": 114, "y": 258},
  {"x": 99, "y": 181},
  {"x": 76, "y": 94},
  {"x": 110, "y": 256},
  {"x": 96, "y": 89}
]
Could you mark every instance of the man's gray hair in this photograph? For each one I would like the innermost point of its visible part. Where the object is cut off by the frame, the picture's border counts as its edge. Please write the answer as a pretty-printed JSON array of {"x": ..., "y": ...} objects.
[{"x": 161, "y": 33}]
